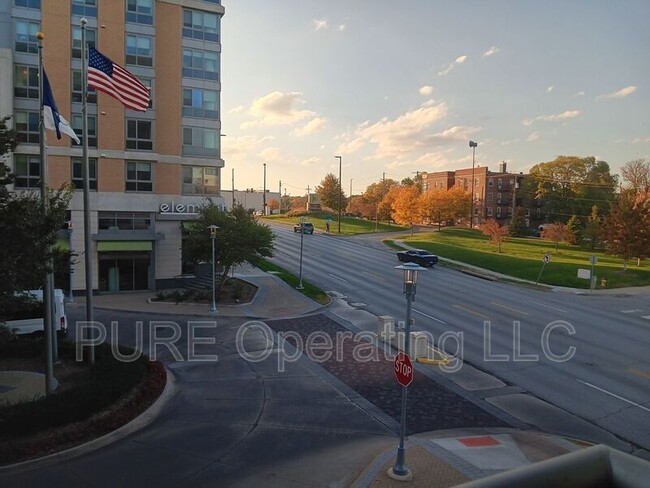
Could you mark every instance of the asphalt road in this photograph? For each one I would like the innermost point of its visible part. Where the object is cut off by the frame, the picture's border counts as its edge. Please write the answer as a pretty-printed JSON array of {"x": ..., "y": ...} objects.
[{"x": 585, "y": 354}]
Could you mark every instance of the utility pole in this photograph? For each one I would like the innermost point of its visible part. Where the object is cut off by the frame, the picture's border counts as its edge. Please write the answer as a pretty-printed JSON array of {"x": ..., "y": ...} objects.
[
  {"x": 340, "y": 158},
  {"x": 307, "y": 198},
  {"x": 280, "y": 203},
  {"x": 473, "y": 145},
  {"x": 233, "y": 187},
  {"x": 514, "y": 200},
  {"x": 350, "y": 196},
  {"x": 264, "y": 192}
]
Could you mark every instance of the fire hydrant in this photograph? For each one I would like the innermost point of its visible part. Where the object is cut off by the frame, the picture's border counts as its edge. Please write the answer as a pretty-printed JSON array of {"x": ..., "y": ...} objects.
[{"x": 603, "y": 283}]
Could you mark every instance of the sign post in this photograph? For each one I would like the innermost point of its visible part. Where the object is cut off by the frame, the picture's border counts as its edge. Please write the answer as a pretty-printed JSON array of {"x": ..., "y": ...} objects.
[
  {"x": 545, "y": 259},
  {"x": 592, "y": 283}
]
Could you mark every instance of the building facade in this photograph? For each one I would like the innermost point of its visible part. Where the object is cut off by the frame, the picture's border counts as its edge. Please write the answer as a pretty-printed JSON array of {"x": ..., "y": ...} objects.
[{"x": 149, "y": 171}]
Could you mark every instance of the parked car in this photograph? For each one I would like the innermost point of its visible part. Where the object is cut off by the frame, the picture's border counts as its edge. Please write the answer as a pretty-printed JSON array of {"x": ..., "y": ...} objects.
[
  {"x": 307, "y": 227},
  {"x": 418, "y": 256}
]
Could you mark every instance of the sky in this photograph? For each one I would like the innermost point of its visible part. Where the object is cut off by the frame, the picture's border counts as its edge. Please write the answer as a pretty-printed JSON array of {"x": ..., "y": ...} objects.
[{"x": 402, "y": 86}]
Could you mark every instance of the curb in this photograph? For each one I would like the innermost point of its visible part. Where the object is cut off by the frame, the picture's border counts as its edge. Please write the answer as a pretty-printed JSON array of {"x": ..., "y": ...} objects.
[{"x": 141, "y": 421}]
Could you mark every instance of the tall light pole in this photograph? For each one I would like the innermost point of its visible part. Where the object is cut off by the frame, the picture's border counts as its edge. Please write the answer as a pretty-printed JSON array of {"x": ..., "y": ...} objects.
[
  {"x": 400, "y": 471},
  {"x": 340, "y": 190},
  {"x": 473, "y": 145},
  {"x": 213, "y": 236},
  {"x": 350, "y": 195},
  {"x": 233, "y": 187},
  {"x": 264, "y": 192},
  {"x": 302, "y": 237}
]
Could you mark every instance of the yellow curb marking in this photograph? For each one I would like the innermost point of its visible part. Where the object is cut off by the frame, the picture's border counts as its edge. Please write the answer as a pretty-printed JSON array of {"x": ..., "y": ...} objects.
[
  {"x": 470, "y": 311},
  {"x": 509, "y": 308}
]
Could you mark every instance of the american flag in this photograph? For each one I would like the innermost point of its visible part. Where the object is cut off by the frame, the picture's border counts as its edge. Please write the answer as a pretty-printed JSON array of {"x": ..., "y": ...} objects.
[{"x": 104, "y": 75}]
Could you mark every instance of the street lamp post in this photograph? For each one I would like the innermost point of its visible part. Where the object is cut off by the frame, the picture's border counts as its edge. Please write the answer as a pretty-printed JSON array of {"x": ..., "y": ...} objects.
[
  {"x": 340, "y": 190},
  {"x": 70, "y": 297},
  {"x": 264, "y": 192},
  {"x": 213, "y": 236},
  {"x": 473, "y": 145},
  {"x": 400, "y": 471},
  {"x": 302, "y": 237}
]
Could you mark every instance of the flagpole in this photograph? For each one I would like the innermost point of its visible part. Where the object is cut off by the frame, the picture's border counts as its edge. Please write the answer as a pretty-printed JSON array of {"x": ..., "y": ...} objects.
[
  {"x": 47, "y": 319},
  {"x": 86, "y": 177}
]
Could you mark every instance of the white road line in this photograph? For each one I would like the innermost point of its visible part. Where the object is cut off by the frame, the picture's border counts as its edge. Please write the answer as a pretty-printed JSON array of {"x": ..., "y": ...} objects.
[
  {"x": 430, "y": 317},
  {"x": 631, "y": 311},
  {"x": 615, "y": 395},
  {"x": 548, "y": 306},
  {"x": 647, "y": 317},
  {"x": 338, "y": 278}
]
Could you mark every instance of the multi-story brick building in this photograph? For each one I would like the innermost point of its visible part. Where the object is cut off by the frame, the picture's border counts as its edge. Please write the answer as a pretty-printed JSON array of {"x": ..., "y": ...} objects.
[{"x": 149, "y": 171}]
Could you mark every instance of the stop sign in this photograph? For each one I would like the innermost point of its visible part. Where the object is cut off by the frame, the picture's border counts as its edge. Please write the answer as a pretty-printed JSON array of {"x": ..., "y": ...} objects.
[{"x": 403, "y": 369}]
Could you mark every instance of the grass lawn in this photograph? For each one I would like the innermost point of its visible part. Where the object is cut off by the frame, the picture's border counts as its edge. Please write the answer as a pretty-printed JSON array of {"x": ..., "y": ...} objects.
[
  {"x": 308, "y": 290},
  {"x": 349, "y": 225},
  {"x": 522, "y": 258}
]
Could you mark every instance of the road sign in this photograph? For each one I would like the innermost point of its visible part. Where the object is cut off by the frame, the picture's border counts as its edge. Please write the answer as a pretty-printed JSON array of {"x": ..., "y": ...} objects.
[
  {"x": 403, "y": 369},
  {"x": 593, "y": 259},
  {"x": 547, "y": 258}
]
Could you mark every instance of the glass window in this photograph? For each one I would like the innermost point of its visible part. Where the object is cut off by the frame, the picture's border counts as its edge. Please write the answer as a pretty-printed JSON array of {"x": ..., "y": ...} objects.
[
  {"x": 124, "y": 221},
  {"x": 78, "y": 176},
  {"x": 28, "y": 3},
  {"x": 200, "y": 180},
  {"x": 200, "y": 64},
  {"x": 27, "y": 170},
  {"x": 138, "y": 176},
  {"x": 149, "y": 84},
  {"x": 77, "y": 126},
  {"x": 77, "y": 90},
  {"x": 26, "y": 81},
  {"x": 198, "y": 141},
  {"x": 200, "y": 25},
  {"x": 139, "y": 11},
  {"x": 26, "y": 41},
  {"x": 91, "y": 39},
  {"x": 139, "y": 135},
  {"x": 84, "y": 8},
  {"x": 499, "y": 183},
  {"x": 139, "y": 50},
  {"x": 200, "y": 103},
  {"x": 26, "y": 125}
]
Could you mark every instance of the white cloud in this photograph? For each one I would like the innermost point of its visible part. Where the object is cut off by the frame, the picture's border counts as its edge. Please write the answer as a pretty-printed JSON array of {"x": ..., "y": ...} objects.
[
  {"x": 232, "y": 146},
  {"x": 313, "y": 161},
  {"x": 237, "y": 109},
  {"x": 277, "y": 108},
  {"x": 533, "y": 136},
  {"x": 508, "y": 142},
  {"x": 459, "y": 60},
  {"x": 580, "y": 94},
  {"x": 622, "y": 93},
  {"x": 550, "y": 89},
  {"x": 426, "y": 90},
  {"x": 491, "y": 52},
  {"x": 314, "y": 125},
  {"x": 341, "y": 27},
  {"x": 270, "y": 154},
  {"x": 567, "y": 114},
  {"x": 320, "y": 24},
  {"x": 637, "y": 140}
]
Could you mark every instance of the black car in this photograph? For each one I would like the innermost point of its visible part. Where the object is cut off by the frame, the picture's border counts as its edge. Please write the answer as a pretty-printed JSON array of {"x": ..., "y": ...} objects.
[
  {"x": 307, "y": 227},
  {"x": 418, "y": 256}
]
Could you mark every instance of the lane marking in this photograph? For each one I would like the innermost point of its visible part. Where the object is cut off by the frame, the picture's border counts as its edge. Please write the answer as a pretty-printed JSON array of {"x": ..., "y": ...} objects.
[
  {"x": 372, "y": 275},
  {"x": 470, "y": 311},
  {"x": 548, "y": 306},
  {"x": 509, "y": 308},
  {"x": 631, "y": 311},
  {"x": 615, "y": 395},
  {"x": 639, "y": 372},
  {"x": 647, "y": 317},
  {"x": 430, "y": 316},
  {"x": 338, "y": 278}
]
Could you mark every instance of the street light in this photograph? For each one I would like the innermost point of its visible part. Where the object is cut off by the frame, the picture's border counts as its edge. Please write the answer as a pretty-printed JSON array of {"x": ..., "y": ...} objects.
[
  {"x": 264, "y": 192},
  {"x": 340, "y": 190},
  {"x": 302, "y": 237},
  {"x": 70, "y": 227},
  {"x": 473, "y": 145},
  {"x": 400, "y": 471},
  {"x": 213, "y": 236}
]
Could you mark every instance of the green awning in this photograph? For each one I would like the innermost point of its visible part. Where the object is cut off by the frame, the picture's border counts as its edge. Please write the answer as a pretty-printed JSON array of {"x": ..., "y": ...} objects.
[
  {"x": 108, "y": 246},
  {"x": 62, "y": 245}
]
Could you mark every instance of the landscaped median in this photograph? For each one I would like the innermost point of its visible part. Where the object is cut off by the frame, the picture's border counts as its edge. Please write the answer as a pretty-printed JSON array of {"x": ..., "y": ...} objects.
[
  {"x": 349, "y": 225},
  {"x": 523, "y": 258},
  {"x": 89, "y": 402},
  {"x": 308, "y": 289}
]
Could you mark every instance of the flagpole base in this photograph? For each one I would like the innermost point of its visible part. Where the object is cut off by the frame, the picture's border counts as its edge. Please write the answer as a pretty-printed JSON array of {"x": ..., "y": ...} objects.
[{"x": 407, "y": 475}]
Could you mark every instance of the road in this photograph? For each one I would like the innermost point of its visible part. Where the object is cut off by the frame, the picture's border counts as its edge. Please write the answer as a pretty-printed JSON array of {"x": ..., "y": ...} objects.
[{"x": 585, "y": 354}]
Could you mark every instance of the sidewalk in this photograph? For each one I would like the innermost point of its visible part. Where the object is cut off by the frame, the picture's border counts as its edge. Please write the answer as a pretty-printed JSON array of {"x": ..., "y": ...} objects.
[{"x": 479, "y": 444}]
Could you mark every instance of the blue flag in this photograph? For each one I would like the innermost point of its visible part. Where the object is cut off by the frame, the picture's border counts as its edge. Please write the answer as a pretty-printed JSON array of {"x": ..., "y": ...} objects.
[{"x": 51, "y": 117}]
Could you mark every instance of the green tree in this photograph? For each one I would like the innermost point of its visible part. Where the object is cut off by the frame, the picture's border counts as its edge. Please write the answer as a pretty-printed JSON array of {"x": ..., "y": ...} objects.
[
  {"x": 571, "y": 185},
  {"x": 518, "y": 227},
  {"x": 573, "y": 230},
  {"x": 626, "y": 231},
  {"x": 331, "y": 193},
  {"x": 593, "y": 227},
  {"x": 240, "y": 238}
]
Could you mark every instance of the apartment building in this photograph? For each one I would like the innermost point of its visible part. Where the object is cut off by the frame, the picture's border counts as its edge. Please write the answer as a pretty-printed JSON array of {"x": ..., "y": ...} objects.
[{"x": 149, "y": 171}]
